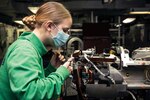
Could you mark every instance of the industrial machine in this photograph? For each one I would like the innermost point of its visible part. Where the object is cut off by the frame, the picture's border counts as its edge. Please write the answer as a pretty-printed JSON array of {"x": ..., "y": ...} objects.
[
  {"x": 110, "y": 76},
  {"x": 96, "y": 78}
]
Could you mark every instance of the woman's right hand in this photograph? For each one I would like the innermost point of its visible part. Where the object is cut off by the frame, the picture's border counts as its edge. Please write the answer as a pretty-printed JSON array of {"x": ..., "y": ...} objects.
[{"x": 68, "y": 64}]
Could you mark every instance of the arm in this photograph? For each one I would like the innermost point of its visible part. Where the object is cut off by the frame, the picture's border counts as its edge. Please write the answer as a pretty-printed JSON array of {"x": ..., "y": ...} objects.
[
  {"x": 27, "y": 79},
  {"x": 49, "y": 69},
  {"x": 52, "y": 60}
]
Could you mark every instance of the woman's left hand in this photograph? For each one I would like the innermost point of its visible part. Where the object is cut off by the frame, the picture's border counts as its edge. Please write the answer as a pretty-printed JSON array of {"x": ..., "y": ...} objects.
[{"x": 57, "y": 59}]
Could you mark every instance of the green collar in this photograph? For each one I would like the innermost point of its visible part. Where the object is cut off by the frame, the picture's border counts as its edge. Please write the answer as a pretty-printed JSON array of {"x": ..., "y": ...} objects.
[{"x": 35, "y": 41}]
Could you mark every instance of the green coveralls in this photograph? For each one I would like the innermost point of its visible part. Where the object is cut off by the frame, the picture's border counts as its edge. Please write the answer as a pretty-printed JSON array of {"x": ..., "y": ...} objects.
[{"x": 22, "y": 76}]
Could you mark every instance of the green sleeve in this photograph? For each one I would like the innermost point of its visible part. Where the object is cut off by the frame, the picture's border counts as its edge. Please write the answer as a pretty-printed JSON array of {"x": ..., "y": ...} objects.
[
  {"x": 26, "y": 76},
  {"x": 49, "y": 69}
]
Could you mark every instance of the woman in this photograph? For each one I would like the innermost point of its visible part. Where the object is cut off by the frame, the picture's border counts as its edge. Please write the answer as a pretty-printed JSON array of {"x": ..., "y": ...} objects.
[{"x": 21, "y": 74}]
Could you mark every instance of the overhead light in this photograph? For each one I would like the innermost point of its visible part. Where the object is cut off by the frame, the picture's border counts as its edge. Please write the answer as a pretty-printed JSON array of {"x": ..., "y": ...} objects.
[
  {"x": 139, "y": 12},
  {"x": 128, "y": 20},
  {"x": 19, "y": 22},
  {"x": 33, "y": 9},
  {"x": 139, "y": 25},
  {"x": 118, "y": 25},
  {"x": 107, "y": 1}
]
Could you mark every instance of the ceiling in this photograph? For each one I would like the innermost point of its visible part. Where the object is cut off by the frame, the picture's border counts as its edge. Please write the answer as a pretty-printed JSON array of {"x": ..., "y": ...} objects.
[{"x": 17, "y": 9}]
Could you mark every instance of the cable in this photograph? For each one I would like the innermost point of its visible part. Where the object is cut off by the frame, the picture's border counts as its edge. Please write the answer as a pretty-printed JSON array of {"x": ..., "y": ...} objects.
[
  {"x": 101, "y": 73},
  {"x": 134, "y": 98}
]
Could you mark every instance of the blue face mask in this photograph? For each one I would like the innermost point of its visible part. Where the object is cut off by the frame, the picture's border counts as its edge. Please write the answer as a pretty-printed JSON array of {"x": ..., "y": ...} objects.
[{"x": 60, "y": 39}]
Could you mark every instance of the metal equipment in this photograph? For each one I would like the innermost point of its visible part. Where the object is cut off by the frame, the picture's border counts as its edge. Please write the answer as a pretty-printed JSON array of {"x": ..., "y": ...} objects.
[
  {"x": 112, "y": 75},
  {"x": 95, "y": 78},
  {"x": 104, "y": 77}
]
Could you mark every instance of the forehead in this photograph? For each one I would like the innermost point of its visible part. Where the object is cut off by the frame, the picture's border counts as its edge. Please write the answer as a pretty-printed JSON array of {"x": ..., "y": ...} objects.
[{"x": 66, "y": 23}]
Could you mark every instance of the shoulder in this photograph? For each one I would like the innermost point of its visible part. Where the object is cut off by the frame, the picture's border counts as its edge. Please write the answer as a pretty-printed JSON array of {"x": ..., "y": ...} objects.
[{"x": 20, "y": 46}]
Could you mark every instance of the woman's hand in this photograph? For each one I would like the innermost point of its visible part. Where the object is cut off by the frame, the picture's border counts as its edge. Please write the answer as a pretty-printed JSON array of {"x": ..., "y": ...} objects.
[
  {"x": 57, "y": 59},
  {"x": 68, "y": 64}
]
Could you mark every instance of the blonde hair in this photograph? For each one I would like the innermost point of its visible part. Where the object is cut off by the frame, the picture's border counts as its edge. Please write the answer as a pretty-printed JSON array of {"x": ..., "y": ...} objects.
[{"x": 53, "y": 11}]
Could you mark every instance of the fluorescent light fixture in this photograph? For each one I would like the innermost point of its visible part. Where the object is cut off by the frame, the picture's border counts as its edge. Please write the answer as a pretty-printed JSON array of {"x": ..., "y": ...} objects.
[
  {"x": 128, "y": 20},
  {"x": 19, "y": 22},
  {"x": 139, "y": 25},
  {"x": 33, "y": 9},
  {"x": 139, "y": 12}
]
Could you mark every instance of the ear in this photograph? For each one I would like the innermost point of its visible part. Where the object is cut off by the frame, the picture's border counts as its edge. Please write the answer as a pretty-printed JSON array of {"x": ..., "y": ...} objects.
[{"x": 48, "y": 25}]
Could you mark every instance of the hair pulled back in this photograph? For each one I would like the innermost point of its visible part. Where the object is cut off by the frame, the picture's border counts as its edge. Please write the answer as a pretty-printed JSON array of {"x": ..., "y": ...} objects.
[{"x": 53, "y": 11}]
